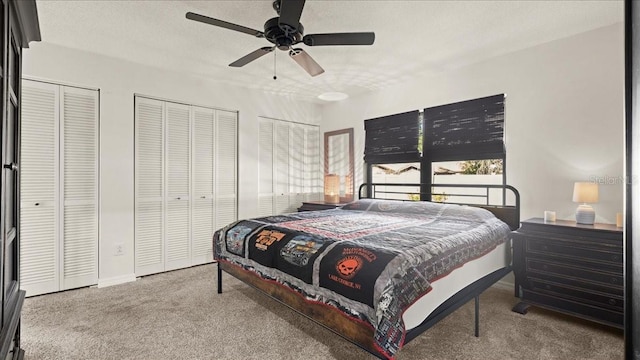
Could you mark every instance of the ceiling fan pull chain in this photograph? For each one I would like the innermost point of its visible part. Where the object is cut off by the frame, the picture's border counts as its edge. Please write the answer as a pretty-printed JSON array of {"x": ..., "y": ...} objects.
[{"x": 274, "y": 65}]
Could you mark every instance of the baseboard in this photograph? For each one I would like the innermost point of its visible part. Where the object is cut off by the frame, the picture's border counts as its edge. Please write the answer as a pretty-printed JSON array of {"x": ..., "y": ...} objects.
[{"x": 116, "y": 280}]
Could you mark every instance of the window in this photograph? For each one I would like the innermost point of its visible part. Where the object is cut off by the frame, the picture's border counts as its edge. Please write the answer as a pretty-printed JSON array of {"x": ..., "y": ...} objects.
[
  {"x": 397, "y": 173},
  {"x": 486, "y": 172},
  {"x": 463, "y": 138}
]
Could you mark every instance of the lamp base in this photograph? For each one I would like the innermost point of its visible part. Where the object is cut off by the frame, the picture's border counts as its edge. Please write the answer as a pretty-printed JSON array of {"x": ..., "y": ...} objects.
[
  {"x": 585, "y": 215},
  {"x": 332, "y": 199}
]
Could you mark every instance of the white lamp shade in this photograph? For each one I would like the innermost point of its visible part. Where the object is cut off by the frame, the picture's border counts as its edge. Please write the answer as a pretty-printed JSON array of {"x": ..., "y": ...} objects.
[{"x": 585, "y": 192}]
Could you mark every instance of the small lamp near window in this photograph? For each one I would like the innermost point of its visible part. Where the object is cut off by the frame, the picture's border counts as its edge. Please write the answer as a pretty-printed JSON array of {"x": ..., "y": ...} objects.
[
  {"x": 585, "y": 192},
  {"x": 332, "y": 189}
]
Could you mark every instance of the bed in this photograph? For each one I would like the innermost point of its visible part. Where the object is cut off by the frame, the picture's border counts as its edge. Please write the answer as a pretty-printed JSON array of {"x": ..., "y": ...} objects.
[{"x": 376, "y": 272}]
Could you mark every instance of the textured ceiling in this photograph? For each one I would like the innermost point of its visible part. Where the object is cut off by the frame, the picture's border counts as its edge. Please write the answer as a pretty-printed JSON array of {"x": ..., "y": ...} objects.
[{"x": 413, "y": 38}]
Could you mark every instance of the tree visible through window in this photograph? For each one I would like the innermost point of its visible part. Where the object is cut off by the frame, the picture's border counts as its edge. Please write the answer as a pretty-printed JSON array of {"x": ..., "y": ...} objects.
[
  {"x": 487, "y": 172},
  {"x": 482, "y": 167}
]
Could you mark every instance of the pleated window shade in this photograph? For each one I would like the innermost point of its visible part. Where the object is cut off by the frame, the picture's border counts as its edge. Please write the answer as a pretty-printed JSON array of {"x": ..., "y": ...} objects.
[
  {"x": 393, "y": 138},
  {"x": 466, "y": 130}
]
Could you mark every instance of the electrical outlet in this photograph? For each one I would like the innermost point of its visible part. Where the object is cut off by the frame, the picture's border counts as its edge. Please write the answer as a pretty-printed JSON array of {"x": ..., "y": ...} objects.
[{"x": 119, "y": 249}]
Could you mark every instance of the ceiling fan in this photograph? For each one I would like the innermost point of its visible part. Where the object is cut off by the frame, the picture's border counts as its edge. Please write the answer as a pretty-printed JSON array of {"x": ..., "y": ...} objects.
[{"x": 285, "y": 31}]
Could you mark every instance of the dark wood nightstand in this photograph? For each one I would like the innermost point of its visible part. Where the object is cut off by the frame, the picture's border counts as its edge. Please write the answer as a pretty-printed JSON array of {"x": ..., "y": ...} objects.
[
  {"x": 570, "y": 268},
  {"x": 317, "y": 205}
]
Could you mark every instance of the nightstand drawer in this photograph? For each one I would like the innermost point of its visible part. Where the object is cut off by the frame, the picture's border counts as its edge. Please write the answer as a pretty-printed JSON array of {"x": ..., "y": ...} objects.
[
  {"x": 578, "y": 294},
  {"x": 616, "y": 291},
  {"x": 594, "y": 313},
  {"x": 565, "y": 248},
  {"x": 534, "y": 265}
]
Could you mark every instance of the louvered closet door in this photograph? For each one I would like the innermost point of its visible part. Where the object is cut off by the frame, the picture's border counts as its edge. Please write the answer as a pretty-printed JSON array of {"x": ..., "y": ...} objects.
[
  {"x": 296, "y": 167},
  {"x": 178, "y": 170},
  {"x": 312, "y": 181},
  {"x": 226, "y": 167},
  {"x": 281, "y": 167},
  {"x": 202, "y": 220},
  {"x": 79, "y": 191},
  {"x": 39, "y": 250},
  {"x": 149, "y": 186},
  {"x": 265, "y": 150}
]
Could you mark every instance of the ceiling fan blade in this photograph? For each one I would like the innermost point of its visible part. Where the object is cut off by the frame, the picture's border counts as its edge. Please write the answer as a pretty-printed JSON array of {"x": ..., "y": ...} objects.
[
  {"x": 252, "y": 56},
  {"x": 359, "y": 38},
  {"x": 224, "y": 24},
  {"x": 308, "y": 64},
  {"x": 290, "y": 12}
]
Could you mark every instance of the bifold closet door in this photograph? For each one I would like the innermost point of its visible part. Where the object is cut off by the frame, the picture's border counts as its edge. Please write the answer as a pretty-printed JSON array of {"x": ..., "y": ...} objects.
[
  {"x": 39, "y": 182},
  {"x": 59, "y": 187},
  {"x": 289, "y": 171},
  {"x": 178, "y": 175},
  {"x": 281, "y": 167},
  {"x": 203, "y": 217},
  {"x": 149, "y": 186},
  {"x": 79, "y": 190},
  {"x": 226, "y": 181},
  {"x": 312, "y": 175},
  {"x": 186, "y": 182},
  {"x": 265, "y": 170},
  {"x": 296, "y": 167}
]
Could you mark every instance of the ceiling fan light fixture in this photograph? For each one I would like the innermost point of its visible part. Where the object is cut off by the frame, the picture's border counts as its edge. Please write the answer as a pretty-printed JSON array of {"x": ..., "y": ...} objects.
[{"x": 333, "y": 96}]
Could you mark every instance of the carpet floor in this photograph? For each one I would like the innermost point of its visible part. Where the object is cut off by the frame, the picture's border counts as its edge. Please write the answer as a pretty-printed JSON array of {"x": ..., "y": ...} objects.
[{"x": 179, "y": 315}]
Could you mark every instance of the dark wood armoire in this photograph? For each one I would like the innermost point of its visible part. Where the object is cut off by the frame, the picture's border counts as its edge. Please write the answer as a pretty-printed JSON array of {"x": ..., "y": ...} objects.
[{"x": 19, "y": 24}]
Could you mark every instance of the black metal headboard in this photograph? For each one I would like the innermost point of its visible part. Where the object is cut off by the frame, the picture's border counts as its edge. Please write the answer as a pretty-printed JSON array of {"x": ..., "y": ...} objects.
[{"x": 506, "y": 208}]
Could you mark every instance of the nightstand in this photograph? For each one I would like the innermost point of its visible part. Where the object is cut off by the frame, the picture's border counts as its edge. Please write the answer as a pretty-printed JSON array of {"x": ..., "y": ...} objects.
[
  {"x": 570, "y": 268},
  {"x": 317, "y": 205}
]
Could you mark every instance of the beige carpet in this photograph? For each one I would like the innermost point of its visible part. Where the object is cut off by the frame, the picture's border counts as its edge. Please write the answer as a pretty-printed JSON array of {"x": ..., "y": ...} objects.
[{"x": 178, "y": 315}]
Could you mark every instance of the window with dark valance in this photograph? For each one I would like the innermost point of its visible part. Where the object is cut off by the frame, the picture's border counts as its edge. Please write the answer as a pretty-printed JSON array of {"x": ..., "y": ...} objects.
[
  {"x": 466, "y": 130},
  {"x": 468, "y": 135},
  {"x": 392, "y": 139}
]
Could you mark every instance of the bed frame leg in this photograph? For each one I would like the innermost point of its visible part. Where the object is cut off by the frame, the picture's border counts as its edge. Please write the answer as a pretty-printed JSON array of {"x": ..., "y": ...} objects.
[
  {"x": 219, "y": 279},
  {"x": 477, "y": 315}
]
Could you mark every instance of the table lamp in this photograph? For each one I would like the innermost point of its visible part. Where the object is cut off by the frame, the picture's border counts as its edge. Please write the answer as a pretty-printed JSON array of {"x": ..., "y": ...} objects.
[
  {"x": 585, "y": 192},
  {"x": 332, "y": 189}
]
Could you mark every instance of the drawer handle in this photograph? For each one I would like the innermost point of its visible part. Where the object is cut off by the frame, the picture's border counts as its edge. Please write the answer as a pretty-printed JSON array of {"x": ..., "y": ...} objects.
[
  {"x": 612, "y": 301},
  {"x": 614, "y": 280},
  {"x": 615, "y": 258}
]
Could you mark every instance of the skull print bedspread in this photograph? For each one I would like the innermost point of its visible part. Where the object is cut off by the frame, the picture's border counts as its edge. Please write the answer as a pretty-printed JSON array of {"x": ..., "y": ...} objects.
[{"x": 371, "y": 259}]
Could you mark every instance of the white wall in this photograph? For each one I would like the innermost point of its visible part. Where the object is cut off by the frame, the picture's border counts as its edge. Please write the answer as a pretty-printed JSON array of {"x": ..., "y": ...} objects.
[
  {"x": 118, "y": 81},
  {"x": 564, "y": 116}
]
